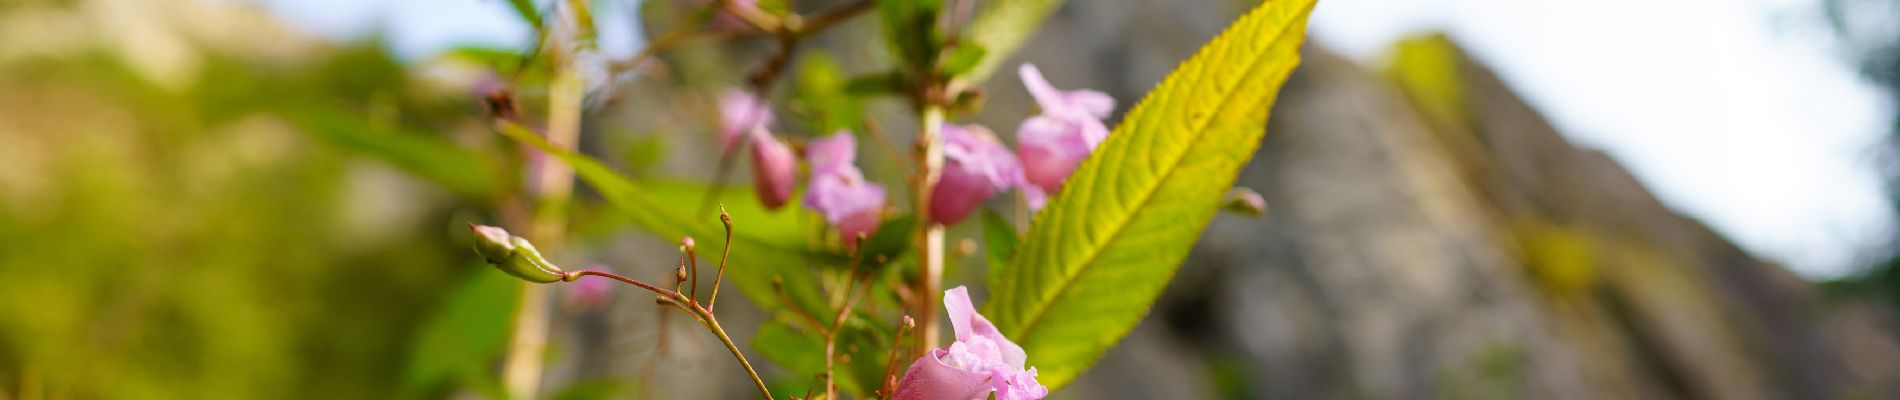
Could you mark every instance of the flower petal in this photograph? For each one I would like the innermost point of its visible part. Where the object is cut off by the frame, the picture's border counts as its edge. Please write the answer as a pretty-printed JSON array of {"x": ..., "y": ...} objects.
[{"x": 930, "y": 379}]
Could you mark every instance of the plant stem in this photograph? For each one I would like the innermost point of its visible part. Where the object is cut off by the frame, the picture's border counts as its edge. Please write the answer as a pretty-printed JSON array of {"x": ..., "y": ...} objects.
[
  {"x": 721, "y": 333},
  {"x": 930, "y": 234},
  {"x": 692, "y": 308},
  {"x": 554, "y": 186}
]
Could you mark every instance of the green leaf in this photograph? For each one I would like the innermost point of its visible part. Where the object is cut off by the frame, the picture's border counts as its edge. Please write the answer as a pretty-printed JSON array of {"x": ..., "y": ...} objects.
[
  {"x": 911, "y": 28},
  {"x": 963, "y": 58},
  {"x": 466, "y": 334},
  {"x": 1096, "y": 258},
  {"x": 821, "y": 93},
  {"x": 999, "y": 242},
  {"x": 875, "y": 85},
  {"x": 1000, "y": 29},
  {"x": 890, "y": 241},
  {"x": 433, "y": 158},
  {"x": 525, "y": 9},
  {"x": 761, "y": 254}
]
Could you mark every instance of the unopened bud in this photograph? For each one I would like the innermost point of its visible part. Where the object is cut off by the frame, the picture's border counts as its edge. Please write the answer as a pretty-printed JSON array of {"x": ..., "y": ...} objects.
[
  {"x": 773, "y": 167},
  {"x": 1245, "y": 201},
  {"x": 492, "y": 243},
  {"x": 526, "y": 263},
  {"x": 909, "y": 323},
  {"x": 687, "y": 245}
]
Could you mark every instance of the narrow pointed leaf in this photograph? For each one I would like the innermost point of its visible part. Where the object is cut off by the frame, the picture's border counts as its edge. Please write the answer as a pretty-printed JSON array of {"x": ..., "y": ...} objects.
[{"x": 1096, "y": 258}]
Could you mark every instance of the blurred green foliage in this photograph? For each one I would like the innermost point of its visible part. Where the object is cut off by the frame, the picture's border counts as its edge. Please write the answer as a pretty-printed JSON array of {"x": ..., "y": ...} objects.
[{"x": 227, "y": 237}]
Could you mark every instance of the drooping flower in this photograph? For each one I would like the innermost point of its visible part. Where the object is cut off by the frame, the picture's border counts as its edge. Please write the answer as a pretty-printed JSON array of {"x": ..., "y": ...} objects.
[
  {"x": 741, "y": 113},
  {"x": 975, "y": 167},
  {"x": 1053, "y": 143},
  {"x": 773, "y": 169},
  {"x": 744, "y": 118},
  {"x": 979, "y": 363},
  {"x": 838, "y": 189}
]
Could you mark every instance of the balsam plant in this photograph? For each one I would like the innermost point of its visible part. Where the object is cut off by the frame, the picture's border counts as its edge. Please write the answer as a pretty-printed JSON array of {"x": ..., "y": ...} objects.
[{"x": 1111, "y": 212}]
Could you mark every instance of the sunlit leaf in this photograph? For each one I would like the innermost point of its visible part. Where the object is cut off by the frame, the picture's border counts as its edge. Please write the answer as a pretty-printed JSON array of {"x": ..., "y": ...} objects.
[{"x": 1096, "y": 258}]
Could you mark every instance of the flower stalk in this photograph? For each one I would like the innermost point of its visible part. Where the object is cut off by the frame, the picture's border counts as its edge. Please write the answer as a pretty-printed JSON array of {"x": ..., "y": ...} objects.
[{"x": 930, "y": 235}]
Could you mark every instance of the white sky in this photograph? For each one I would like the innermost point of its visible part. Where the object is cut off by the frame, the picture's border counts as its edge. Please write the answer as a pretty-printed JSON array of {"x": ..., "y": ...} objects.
[{"x": 1741, "y": 113}]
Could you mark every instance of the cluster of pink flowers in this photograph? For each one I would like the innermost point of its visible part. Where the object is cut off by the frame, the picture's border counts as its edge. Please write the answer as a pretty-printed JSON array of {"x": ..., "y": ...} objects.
[{"x": 977, "y": 166}]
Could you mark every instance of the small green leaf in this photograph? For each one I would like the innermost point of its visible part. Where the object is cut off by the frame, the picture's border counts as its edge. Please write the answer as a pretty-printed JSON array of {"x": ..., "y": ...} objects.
[
  {"x": 1000, "y": 29},
  {"x": 1099, "y": 254},
  {"x": 963, "y": 59},
  {"x": 911, "y": 28},
  {"x": 525, "y": 9}
]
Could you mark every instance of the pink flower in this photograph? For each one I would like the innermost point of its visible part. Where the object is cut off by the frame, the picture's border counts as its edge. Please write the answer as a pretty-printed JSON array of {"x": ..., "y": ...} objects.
[
  {"x": 1053, "y": 143},
  {"x": 838, "y": 189},
  {"x": 741, "y": 113},
  {"x": 773, "y": 165},
  {"x": 979, "y": 363},
  {"x": 975, "y": 167}
]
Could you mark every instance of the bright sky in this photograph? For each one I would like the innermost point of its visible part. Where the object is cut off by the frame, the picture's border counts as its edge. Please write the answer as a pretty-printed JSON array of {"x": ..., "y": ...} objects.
[{"x": 1740, "y": 113}]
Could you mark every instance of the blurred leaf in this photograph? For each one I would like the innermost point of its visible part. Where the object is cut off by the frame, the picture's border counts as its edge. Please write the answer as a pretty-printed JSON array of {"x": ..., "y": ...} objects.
[
  {"x": 890, "y": 241},
  {"x": 1097, "y": 257},
  {"x": 466, "y": 333},
  {"x": 963, "y": 59},
  {"x": 1000, "y": 29},
  {"x": 999, "y": 242},
  {"x": 760, "y": 255},
  {"x": 821, "y": 90},
  {"x": 644, "y": 152},
  {"x": 863, "y": 350},
  {"x": 460, "y": 170},
  {"x": 911, "y": 28},
  {"x": 791, "y": 349},
  {"x": 525, "y": 9},
  {"x": 875, "y": 85}
]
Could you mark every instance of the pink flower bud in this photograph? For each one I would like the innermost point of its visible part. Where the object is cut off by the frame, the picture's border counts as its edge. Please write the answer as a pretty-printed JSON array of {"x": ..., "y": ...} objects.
[
  {"x": 975, "y": 167},
  {"x": 838, "y": 189},
  {"x": 773, "y": 166},
  {"x": 980, "y": 363}
]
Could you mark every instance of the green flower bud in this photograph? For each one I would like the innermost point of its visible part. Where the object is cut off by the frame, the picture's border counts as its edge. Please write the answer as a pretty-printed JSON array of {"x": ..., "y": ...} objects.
[
  {"x": 514, "y": 255},
  {"x": 492, "y": 243},
  {"x": 527, "y": 263}
]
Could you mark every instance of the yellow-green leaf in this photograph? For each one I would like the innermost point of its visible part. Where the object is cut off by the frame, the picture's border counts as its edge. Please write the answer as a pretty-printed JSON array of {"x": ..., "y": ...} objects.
[{"x": 1096, "y": 258}]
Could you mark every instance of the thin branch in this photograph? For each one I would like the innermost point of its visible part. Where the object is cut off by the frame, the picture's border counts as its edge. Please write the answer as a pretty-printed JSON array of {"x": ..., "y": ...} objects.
[{"x": 725, "y": 219}]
